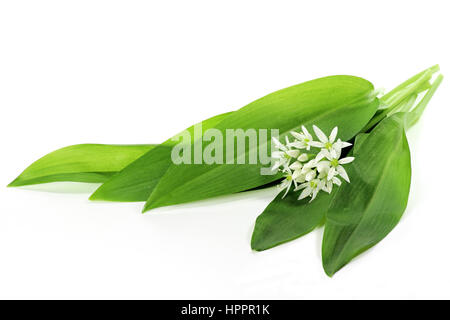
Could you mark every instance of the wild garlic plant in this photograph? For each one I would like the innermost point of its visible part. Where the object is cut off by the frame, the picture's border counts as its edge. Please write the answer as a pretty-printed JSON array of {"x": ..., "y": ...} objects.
[
  {"x": 357, "y": 216},
  {"x": 309, "y": 171}
]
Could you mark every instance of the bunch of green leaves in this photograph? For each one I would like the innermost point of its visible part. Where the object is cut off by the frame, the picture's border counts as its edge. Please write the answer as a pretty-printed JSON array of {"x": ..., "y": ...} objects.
[
  {"x": 346, "y": 101},
  {"x": 356, "y": 216},
  {"x": 359, "y": 214}
]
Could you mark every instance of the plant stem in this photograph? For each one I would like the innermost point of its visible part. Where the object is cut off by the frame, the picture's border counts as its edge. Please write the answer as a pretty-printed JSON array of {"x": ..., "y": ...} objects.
[
  {"x": 390, "y": 97},
  {"x": 416, "y": 113},
  {"x": 403, "y": 93},
  {"x": 405, "y": 105}
]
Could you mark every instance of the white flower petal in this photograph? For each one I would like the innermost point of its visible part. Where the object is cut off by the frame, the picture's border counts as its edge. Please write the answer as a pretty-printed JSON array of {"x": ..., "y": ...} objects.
[
  {"x": 277, "y": 165},
  {"x": 278, "y": 144},
  {"x": 323, "y": 166},
  {"x": 331, "y": 173},
  {"x": 330, "y": 186},
  {"x": 297, "y": 144},
  {"x": 296, "y": 165},
  {"x": 322, "y": 154},
  {"x": 317, "y": 144},
  {"x": 305, "y": 193},
  {"x": 346, "y": 160},
  {"x": 319, "y": 133},
  {"x": 345, "y": 144},
  {"x": 310, "y": 175},
  {"x": 300, "y": 177},
  {"x": 296, "y": 174},
  {"x": 278, "y": 154},
  {"x": 343, "y": 173},
  {"x": 334, "y": 154},
  {"x": 302, "y": 186},
  {"x": 293, "y": 153},
  {"x": 336, "y": 181},
  {"x": 314, "y": 194},
  {"x": 287, "y": 189},
  {"x": 303, "y": 157},
  {"x": 287, "y": 140},
  {"x": 311, "y": 163},
  {"x": 333, "y": 134},
  {"x": 305, "y": 131},
  {"x": 327, "y": 187},
  {"x": 283, "y": 184},
  {"x": 297, "y": 135},
  {"x": 327, "y": 154}
]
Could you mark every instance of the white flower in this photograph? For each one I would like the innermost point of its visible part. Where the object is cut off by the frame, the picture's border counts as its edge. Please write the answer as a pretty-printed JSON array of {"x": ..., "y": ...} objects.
[
  {"x": 325, "y": 142},
  {"x": 304, "y": 139},
  {"x": 309, "y": 170},
  {"x": 298, "y": 163},
  {"x": 310, "y": 188},
  {"x": 284, "y": 154},
  {"x": 313, "y": 173},
  {"x": 303, "y": 157},
  {"x": 329, "y": 178},
  {"x": 328, "y": 143},
  {"x": 333, "y": 165},
  {"x": 287, "y": 182}
]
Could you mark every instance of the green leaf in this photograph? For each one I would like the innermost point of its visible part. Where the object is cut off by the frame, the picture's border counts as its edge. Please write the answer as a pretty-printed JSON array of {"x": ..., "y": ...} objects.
[
  {"x": 81, "y": 163},
  {"x": 344, "y": 101},
  {"x": 359, "y": 139},
  {"x": 286, "y": 219},
  {"x": 364, "y": 211},
  {"x": 136, "y": 181}
]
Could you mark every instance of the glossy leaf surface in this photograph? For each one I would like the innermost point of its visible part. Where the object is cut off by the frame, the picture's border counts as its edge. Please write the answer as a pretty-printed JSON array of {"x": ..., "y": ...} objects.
[
  {"x": 81, "y": 163},
  {"x": 344, "y": 101},
  {"x": 136, "y": 181},
  {"x": 364, "y": 211},
  {"x": 287, "y": 219}
]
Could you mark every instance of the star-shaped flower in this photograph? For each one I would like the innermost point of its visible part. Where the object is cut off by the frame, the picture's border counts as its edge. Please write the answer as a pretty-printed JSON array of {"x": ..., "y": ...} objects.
[
  {"x": 304, "y": 139},
  {"x": 329, "y": 178},
  {"x": 287, "y": 182},
  {"x": 313, "y": 173},
  {"x": 333, "y": 165},
  {"x": 310, "y": 189},
  {"x": 284, "y": 154},
  {"x": 329, "y": 143}
]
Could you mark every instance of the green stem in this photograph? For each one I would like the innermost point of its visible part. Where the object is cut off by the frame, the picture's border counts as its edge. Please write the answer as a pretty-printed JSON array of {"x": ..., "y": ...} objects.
[
  {"x": 403, "y": 93},
  {"x": 416, "y": 113},
  {"x": 405, "y": 105},
  {"x": 390, "y": 97}
]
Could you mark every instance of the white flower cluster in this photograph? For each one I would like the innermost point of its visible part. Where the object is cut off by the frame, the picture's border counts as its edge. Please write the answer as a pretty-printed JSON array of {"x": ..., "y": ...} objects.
[{"x": 309, "y": 171}]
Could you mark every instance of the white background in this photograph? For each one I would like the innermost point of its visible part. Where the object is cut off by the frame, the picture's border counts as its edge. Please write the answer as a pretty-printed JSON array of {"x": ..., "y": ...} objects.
[{"x": 139, "y": 71}]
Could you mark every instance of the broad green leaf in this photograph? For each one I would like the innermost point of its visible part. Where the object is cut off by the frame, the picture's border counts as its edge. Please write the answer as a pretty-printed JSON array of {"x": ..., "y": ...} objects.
[
  {"x": 136, "y": 181},
  {"x": 359, "y": 139},
  {"x": 286, "y": 219},
  {"x": 81, "y": 163},
  {"x": 344, "y": 101},
  {"x": 364, "y": 211}
]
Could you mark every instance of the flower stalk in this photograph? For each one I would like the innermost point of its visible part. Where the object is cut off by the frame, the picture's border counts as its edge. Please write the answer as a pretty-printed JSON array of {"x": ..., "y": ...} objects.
[{"x": 403, "y": 97}]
